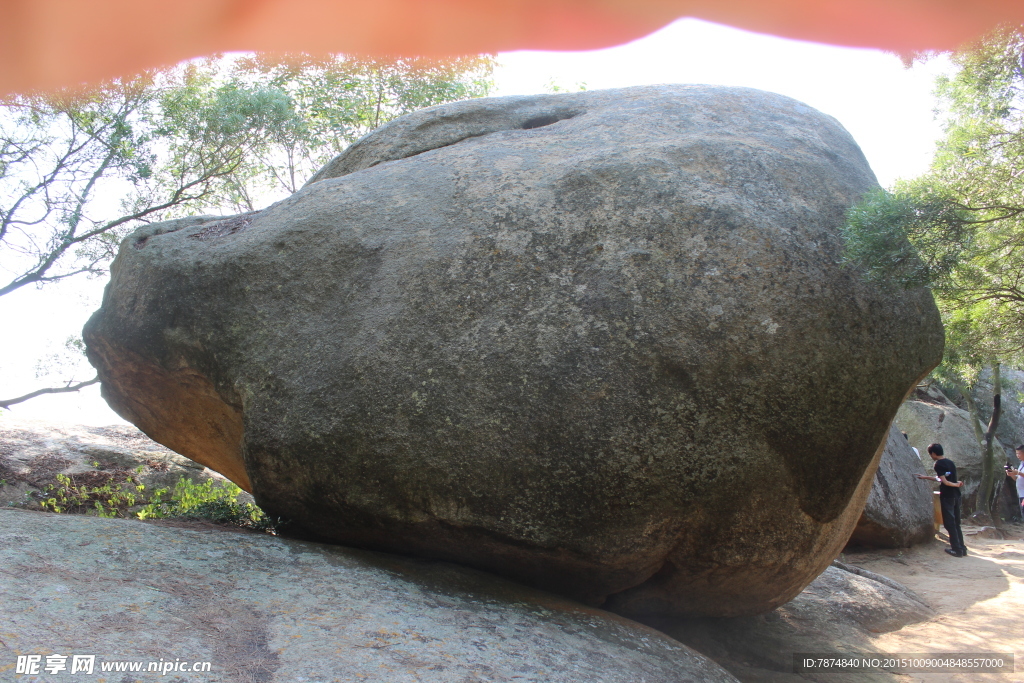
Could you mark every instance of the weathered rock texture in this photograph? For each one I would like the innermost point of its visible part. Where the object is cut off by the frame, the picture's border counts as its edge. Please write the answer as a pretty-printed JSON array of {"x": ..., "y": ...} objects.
[
  {"x": 839, "y": 612},
  {"x": 544, "y": 336},
  {"x": 930, "y": 417},
  {"x": 899, "y": 511},
  {"x": 264, "y": 609}
]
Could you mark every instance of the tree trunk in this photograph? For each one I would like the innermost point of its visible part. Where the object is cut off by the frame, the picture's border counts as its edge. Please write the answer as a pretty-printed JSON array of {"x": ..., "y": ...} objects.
[
  {"x": 972, "y": 408},
  {"x": 986, "y": 490},
  {"x": 986, "y": 436}
]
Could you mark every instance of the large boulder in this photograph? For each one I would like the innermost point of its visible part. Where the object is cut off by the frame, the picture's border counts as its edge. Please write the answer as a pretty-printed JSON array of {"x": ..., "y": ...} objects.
[
  {"x": 265, "y": 609},
  {"x": 899, "y": 511},
  {"x": 544, "y": 336}
]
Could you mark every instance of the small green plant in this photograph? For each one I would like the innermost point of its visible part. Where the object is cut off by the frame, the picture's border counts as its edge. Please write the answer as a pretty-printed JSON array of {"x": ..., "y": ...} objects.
[
  {"x": 120, "y": 494},
  {"x": 110, "y": 499},
  {"x": 187, "y": 495},
  {"x": 216, "y": 501}
]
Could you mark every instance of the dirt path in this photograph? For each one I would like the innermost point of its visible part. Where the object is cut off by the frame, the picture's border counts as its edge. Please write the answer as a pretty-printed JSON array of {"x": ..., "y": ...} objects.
[{"x": 979, "y": 600}]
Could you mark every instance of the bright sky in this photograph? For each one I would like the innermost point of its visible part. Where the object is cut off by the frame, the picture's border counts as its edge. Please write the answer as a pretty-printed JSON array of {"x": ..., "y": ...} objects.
[{"x": 887, "y": 109}]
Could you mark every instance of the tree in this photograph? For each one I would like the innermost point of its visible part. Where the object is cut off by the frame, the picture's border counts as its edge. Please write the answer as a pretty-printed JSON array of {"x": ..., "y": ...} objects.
[
  {"x": 337, "y": 100},
  {"x": 959, "y": 229},
  {"x": 80, "y": 170}
]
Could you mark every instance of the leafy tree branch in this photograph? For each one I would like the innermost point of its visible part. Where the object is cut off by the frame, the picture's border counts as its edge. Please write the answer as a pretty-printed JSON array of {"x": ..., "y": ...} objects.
[{"x": 81, "y": 170}]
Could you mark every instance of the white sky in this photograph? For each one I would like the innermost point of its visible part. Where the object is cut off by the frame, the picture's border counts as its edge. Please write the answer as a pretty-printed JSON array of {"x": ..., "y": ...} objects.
[{"x": 887, "y": 109}]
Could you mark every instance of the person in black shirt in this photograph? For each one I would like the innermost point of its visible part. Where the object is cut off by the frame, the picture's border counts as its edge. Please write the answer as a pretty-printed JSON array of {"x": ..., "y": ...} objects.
[{"x": 949, "y": 499}]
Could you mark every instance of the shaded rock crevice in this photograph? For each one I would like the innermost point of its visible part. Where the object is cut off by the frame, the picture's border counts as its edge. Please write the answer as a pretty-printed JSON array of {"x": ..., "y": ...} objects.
[
  {"x": 898, "y": 512},
  {"x": 838, "y": 612}
]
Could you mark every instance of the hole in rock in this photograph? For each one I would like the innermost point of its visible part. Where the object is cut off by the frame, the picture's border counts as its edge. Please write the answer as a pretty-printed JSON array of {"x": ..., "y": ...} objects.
[{"x": 545, "y": 120}]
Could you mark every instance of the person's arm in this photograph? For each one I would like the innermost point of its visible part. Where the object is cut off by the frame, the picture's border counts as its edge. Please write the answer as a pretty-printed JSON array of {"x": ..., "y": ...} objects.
[
  {"x": 943, "y": 479},
  {"x": 927, "y": 477},
  {"x": 1013, "y": 474}
]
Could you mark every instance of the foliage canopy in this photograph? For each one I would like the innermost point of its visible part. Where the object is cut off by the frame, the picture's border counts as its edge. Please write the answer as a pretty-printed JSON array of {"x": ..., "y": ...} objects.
[
  {"x": 959, "y": 228},
  {"x": 79, "y": 170}
]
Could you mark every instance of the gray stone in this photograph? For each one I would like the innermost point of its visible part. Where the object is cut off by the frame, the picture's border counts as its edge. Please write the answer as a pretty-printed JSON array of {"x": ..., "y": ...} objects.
[
  {"x": 1010, "y": 431},
  {"x": 265, "y": 609},
  {"x": 929, "y": 417},
  {"x": 899, "y": 510},
  {"x": 546, "y": 336},
  {"x": 837, "y": 613}
]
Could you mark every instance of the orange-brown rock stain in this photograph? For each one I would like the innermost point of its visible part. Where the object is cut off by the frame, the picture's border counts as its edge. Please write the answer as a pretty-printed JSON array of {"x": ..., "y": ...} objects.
[{"x": 179, "y": 408}]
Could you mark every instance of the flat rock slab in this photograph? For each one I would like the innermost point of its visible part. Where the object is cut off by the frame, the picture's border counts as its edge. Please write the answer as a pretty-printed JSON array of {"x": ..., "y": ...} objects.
[
  {"x": 839, "y": 612},
  {"x": 265, "y": 609}
]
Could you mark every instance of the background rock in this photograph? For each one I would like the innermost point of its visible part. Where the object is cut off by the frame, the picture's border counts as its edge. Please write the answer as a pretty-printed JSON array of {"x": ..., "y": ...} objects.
[
  {"x": 1010, "y": 431},
  {"x": 928, "y": 417},
  {"x": 1011, "y": 421},
  {"x": 899, "y": 510},
  {"x": 33, "y": 452},
  {"x": 264, "y": 609},
  {"x": 544, "y": 336}
]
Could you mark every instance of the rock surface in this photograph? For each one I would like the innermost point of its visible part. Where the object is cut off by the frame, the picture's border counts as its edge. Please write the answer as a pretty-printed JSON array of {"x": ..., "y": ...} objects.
[
  {"x": 262, "y": 609},
  {"x": 899, "y": 511},
  {"x": 930, "y": 417},
  {"x": 838, "y": 613},
  {"x": 544, "y": 336},
  {"x": 33, "y": 452}
]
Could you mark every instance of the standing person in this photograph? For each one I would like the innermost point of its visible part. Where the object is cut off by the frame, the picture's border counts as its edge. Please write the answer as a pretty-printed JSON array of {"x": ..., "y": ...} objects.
[
  {"x": 1018, "y": 474},
  {"x": 949, "y": 499}
]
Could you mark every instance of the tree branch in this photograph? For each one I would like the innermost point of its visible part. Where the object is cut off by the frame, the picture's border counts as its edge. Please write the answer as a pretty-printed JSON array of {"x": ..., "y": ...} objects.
[
  {"x": 59, "y": 390},
  {"x": 38, "y": 274}
]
